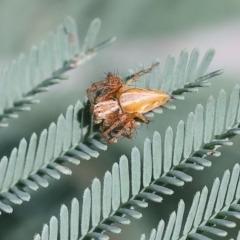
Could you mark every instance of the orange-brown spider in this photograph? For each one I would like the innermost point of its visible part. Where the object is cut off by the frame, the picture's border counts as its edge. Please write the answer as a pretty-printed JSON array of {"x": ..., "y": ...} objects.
[{"x": 116, "y": 106}]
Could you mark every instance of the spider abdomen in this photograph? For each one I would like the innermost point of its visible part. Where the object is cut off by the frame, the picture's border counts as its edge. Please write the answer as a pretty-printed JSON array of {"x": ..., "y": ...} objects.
[{"x": 141, "y": 100}]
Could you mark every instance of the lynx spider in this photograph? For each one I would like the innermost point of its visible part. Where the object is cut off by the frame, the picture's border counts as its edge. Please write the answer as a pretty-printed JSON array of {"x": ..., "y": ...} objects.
[{"x": 116, "y": 106}]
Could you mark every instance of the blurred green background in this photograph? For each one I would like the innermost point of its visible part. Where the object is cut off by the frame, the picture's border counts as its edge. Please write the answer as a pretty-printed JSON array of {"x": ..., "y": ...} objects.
[{"x": 145, "y": 31}]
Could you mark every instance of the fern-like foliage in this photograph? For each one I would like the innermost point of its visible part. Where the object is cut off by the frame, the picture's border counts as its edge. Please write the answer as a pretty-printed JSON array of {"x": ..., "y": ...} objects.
[
  {"x": 66, "y": 141},
  {"x": 24, "y": 78},
  {"x": 185, "y": 76},
  {"x": 209, "y": 213},
  {"x": 29, "y": 163},
  {"x": 162, "y": 166}
]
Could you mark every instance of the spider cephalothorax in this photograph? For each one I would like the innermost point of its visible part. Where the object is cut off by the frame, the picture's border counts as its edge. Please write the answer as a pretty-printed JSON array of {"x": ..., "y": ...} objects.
[{"x": 115, "y": 106}]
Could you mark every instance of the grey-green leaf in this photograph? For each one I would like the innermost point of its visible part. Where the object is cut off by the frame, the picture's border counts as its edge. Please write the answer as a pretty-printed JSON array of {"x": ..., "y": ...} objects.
[
  {"x": 147, "y": 163},
  {"x": 136, "y": 171}
]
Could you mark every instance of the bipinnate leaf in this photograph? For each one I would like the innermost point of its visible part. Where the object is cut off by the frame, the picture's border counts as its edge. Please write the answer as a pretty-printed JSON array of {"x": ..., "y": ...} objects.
[
  {"x": 212, "y": 213},
  {"x": 178, "y": 77},
  {"x": 28, "y": 164},
  {"x": 146, "y": 186},
  {"x": 23, "y": 78}
]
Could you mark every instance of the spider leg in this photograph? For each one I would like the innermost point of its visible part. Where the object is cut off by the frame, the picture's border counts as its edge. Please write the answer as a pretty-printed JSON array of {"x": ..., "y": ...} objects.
[
  {"x": 111, "y": 90},
  {"x": 95, "y": 87},
  {"x": 115, "y": 123},
  {"x": 141, "y": 73},
  {"x": 132, "y": 129},
  {"x": 107, "y": 91},
  {"x": 140, "y": 116},
  {"x": 124, "y": 122},
  {"x": 121, "y": 132},
  {"x": 107, "y": 87}
]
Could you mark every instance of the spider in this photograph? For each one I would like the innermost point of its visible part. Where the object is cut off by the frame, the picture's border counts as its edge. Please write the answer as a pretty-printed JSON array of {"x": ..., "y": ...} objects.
[{"x": 116, "y": 106}]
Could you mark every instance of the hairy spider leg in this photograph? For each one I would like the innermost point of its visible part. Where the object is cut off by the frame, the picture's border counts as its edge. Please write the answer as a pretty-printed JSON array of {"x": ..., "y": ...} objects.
[
  {"x": 95, "y": 87},
  {"x": 118, "y": 121},
  {"x": 128, "y": 125},
  {"x": 109, "y": 86},
  {"x": 141, "y": 73},
  {"x": 133, "y": 124},
  {"x": 132, "y": 129},
  {"x": 124, "y": 121},
  {"x": 113, "y": 85},
  {"x": 109, "y": 94},
  {"x": 140, "y": 116}
]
